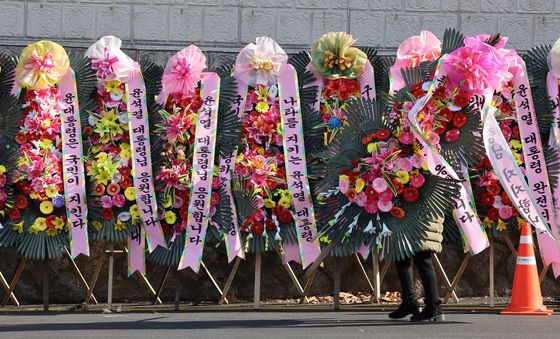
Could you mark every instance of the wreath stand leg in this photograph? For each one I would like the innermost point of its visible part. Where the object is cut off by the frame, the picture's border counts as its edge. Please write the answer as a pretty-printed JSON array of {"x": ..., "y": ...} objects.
[
  {"x": 382, "y": 274},
  {"x": 46, "y": 284},
  {"x": 376, "y": 287},
  {"x": 161, "y": 284},
  {"x": 291, "y": 273},
  {"x": 213, "y": 280},
  {"x": 110, "y": 278},
  {"x": 96, "y": 272},
  {"x": 6, "y": 288},
  {"x": 177, "y": 289},
  {"x": 15, "y": 280},
  {"x": 311, "y": 273},
  {"x": 229, "y": 281},
  {"x": 336, "y": 296},
  {"x": 80, "y": 276},
  {"x": 364, "y": 272},
  {"x": 510, "y": 245},
  {"x": 146, "y": 282},
  {"x": 257, "y": 291},
  {"x": 491, "y": 293},
  {"x": 543, "y": 273},
  {"x": 450, "y": 293}
]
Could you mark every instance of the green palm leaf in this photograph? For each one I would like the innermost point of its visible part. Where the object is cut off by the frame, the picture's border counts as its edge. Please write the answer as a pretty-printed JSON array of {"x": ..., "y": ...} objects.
[
  {"x": 10, "y": 116},
  {"x": 452, "y": 39},
  {"x": 8, "y": 63}
]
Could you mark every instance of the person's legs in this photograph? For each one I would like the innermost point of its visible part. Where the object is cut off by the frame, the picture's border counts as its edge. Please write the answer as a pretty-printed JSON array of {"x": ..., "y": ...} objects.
[
  {"x": 432, "y": 311},
  {"x": 409, "y": 302}
]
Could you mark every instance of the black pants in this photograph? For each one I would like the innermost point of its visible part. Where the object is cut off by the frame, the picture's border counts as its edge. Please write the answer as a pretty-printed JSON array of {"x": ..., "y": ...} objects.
[{"x": 423, "y": 262}]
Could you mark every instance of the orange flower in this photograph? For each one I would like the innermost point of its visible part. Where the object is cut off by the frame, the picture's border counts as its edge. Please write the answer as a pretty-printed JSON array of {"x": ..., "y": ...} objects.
[{"x": 397, "y": 212}]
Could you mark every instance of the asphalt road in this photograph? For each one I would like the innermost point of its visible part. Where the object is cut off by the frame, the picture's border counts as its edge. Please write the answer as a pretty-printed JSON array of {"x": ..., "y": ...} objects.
[{"x": 271, "y": 325}]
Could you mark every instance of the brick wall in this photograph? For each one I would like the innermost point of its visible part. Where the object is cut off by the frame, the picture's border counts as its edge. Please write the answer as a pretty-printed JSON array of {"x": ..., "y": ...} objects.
[{"x": 226, "y": 25}]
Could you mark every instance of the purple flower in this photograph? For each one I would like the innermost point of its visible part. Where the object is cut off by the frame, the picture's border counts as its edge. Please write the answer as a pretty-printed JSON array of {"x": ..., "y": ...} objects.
[{"x": 58, "y": 201}]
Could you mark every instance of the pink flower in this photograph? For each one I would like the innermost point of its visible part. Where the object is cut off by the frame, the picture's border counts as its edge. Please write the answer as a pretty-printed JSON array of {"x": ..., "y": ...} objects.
[
  {"x": 119, "y": 200},
  {"x": 478, "y": 65},
  {"x": 405, "y": 164},
  {"x": 371, "y": 206},
  {"x": 505, "y": 212},
  {"x": 433, "y": 138},
  {"x": 183, "y": 72},
  {"x": 417, "y": 180},
  {"x": 258, "y": 215},
  {"x": 387, "y": 195},
  {"x": 379, "y": 185},
  {"x": 106, "y": 201},
  {"x": 385, "y": 206},
  {"x": 452, "y": 135},
  {"x": 360, "y": 199},
  {"x": 417, "y": 160},
  {"x": 178, "y": 202},
  {"x": 411, "y": 53},
  {"x": 406, "y": 138},
  {"x": 343, "y": 186}
]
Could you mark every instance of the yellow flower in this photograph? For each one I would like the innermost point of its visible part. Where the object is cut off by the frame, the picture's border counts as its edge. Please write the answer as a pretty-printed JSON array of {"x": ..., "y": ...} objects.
[
  {"x": 119, "y": 225},
  {"x": 18, "y": 227},
  {"x": 51, "y": 232},
  {"x": 263, "y": 93},
  {"x": 130, "y": 194},
  {"x": 262, "y": 107},
  {"x": 125, "y": 154},
  {"x": 286, "y": 203},
  {"x": 516, "y": 144},
  {"x": 112, "y": 86},
  {"x": 269, "y": 203},
  {"x": 41, "y": 65},
  {"x": 2, "y": 169},
  {"x": 59, "y": 223},
  {"x": 33, "y": 230},
  {"x": 517, "y": 158},
  {"x": 240, "y": 158},
  {"x": 34, "y": 196},
  {"x": 487, "y": 223},
  {"x": 370, "y": 147},
  {"x": 360, "y": 183},
  {"x": 40, "y": 224},
  {"x": 96, "y": 225},
  {"x": 403, "y": 177},
  {"x": 46, "y": 143},
  {"x": 167, "y": 201},
  {"x": 170, "y": 217},
  {"x": 46, "y": 207},
  {"x": 501, "y": 225},
  {"x": 134, "y": 211},
  {"x": 344, "y": 178},
  {"x": 51, "y": 191}
]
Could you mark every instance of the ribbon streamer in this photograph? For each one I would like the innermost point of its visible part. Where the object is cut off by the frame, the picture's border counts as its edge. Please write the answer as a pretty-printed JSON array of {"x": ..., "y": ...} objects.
[
  {"x": 296, "y": 170},
  {"x": 141, "y": 160},
  {"x": 202, "y": 173},
  {"x": 73, "y": 166}
]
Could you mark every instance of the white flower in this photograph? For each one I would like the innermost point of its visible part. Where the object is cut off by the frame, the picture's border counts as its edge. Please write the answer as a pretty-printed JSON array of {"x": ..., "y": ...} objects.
[
  {"x": 259, "y": 64},
  {"x": 110, "y": 62},
  {"x": 124, "y": 216}
]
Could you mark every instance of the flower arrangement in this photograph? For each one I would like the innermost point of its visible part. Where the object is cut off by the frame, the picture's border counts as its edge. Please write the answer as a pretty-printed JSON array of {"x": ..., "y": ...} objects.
[
  {"x": 338, "y": 66},
  {"x": 377, "y": 191},
  {"x": 113, "y": 207},
  {"x": 38, "y": 216}
]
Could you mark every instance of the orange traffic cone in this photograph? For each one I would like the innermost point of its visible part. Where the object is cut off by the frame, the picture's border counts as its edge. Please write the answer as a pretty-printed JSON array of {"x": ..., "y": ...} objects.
[{"x": 526, "y": 298}]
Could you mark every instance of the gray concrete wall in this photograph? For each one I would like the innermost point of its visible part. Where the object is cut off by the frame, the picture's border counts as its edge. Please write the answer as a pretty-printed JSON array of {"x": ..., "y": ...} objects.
[{"x": 147, "y": 26}]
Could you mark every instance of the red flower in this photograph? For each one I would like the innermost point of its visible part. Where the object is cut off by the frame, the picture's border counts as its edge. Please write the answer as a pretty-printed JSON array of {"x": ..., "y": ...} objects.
[
  {"x": 284, "y": 215},
  {"x": 21, "y": 138},
  {"x": 505, "y": 199},
  {"x": 21, "y": 201},
  {"x": 107, "y": 214},
  {"x": 352, "y": 86},
  {"x": 50, "y": 221},
  {"x": 397, "y": 212},
  {"x": 370, "y": 192},
  {"x": 14, "y": 213},
  {"x": 125, "y": 171},
  {"x": 383, "y": 134},
  {"x": 462, "y": 99},
  {"x": 515, "y": 132},
  {"x": 504, "y": 108},
  {"x": 126, "y": 183},
  {"x": 446, "y": 114},
  {"x": 452, "y": 135},
  {"x": 99, "y": 189},
  {"x": 493, "y": 214},
  {"x": 270, "y": 225},
  {"x": 184, "y": 212},
  {"x": 351, "y": 194},
  {"x": 410, "y": 194},
  {"x": 487, "y": 199},
  {"x": 493, "y": 188},
  {"x": 459, "y": 120},
  {"x": 113, "y": 189},
  {"x": 442, "y": 129},
  {"x": 257, "y": 227}
]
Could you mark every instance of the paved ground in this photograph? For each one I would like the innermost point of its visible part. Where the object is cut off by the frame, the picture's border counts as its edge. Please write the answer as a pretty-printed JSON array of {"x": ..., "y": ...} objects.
[{"x": 267, "y": 324}]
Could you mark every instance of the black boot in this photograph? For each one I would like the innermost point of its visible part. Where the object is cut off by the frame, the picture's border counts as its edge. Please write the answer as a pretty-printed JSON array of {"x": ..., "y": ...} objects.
[
  {"x": 407, "y": 307},
  {"x": 432, "y": 312}
]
